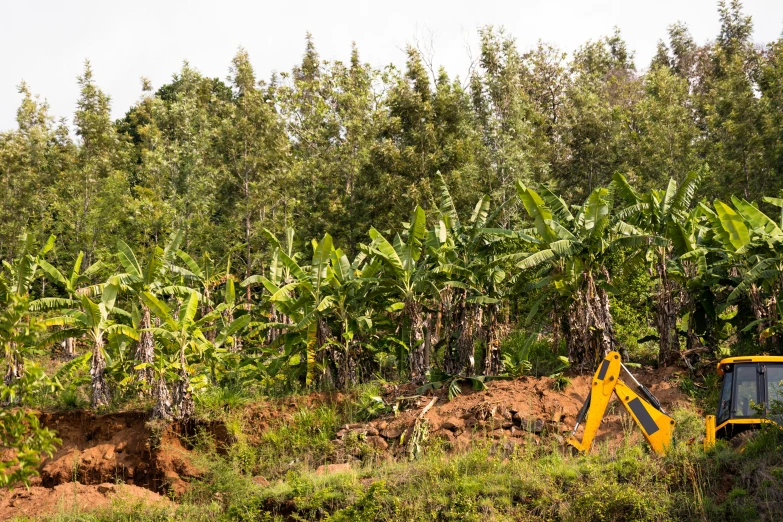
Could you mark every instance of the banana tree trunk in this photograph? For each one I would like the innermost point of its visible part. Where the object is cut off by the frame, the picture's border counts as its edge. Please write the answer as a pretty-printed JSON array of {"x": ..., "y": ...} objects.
[
  {"x": 145, "y": 349},
  {"x": 418, "y": 368},
  {"x": 182, "y": 399},
  {"x": 590, "y": 330},
  {"x": 429, "y": 323},
  {"x": 666, "y": 319},
  {"x": 15, "y": 365},
  {"x": 764, "y": 311},
  {"x": 461, "y": 359},
  {"x": 236, "y": 342},
  {"x": 69, "y": 348},
  {"x": 345, "y": 362},
  {"x": 162, "y": 409},
  {"x": 493, "y": 364},
  {"x": 319, "y": 356},
  {"x": 209, "y": 332},
  {"x": 100, "y": 388}
]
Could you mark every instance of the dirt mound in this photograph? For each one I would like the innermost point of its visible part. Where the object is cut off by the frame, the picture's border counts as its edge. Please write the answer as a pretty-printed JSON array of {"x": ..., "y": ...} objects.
[
  {"x": 39, "y": 501},
  {"x": 116, "y": 447},
  {"x": 521, "y": 411},
  {"x": 125, "y": 447}
]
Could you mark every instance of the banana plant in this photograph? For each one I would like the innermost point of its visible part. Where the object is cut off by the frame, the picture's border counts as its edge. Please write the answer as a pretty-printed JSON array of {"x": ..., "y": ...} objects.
[
  {"x": 306, "y": 300},
  {"x": 94, "y": 321},
  {"x": 408, "y": 280},
  {"x": 662, "y": 214},
  {"x": 20, "y": 313},
  {"x": 570, "y": 259},
  {"x": 71, "y": 285},
  {"x": 471, "y": 258},
  {"x": 178, "y": 337},
  {"x": 278, "y": 274},
  {"x": 354, "y": 289},
  {"x": 206, "y": 277},
  {"x": 754, "y": 242},
  {"x": 153, "y": 279}
]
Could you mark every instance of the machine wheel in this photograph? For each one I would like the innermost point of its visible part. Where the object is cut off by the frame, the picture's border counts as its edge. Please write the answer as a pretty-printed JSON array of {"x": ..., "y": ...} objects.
[{"x": 740, "y": 441}]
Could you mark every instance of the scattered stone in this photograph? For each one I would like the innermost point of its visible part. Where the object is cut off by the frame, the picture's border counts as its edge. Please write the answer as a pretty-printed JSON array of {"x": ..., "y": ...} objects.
[
  {"x": 382, "y": 425},
  {"x": 452, "y": 424},
  {"x": 121, "y": 446},
  {"x": 377, "y": 442},
  {"x": 533, "y": 425},
  {"x": 333, "y": 468},
  {"x": 508, "y": 425},
  {"x": 371, "y": 432},
  {"x": 342, "y": 433},
  {"x": 392, "y": 432},
  {"x": 106, "y": 488},
  {"x": 446, "y": 434}
]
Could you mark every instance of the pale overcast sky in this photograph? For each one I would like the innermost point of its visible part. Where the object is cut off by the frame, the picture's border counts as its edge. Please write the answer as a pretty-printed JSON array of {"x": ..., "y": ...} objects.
[{"x": 46, "y": 42}]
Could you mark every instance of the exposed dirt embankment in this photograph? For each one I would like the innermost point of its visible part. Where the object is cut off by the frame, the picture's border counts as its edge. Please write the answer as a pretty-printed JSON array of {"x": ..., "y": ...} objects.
[
  {"x": 101, "y": 450},
  {"x": 117, "y": 447},
  {"x": 522, "y": 411},
  {"x": 37, "y": 500}
]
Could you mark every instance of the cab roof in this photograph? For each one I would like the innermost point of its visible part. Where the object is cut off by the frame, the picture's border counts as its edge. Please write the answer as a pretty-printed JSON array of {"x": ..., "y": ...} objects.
[{"x": 749, "y": 359}]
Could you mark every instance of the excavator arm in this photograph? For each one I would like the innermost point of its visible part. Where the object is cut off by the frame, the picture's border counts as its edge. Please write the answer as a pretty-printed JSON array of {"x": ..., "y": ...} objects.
[{"x": 656, "y": 426}]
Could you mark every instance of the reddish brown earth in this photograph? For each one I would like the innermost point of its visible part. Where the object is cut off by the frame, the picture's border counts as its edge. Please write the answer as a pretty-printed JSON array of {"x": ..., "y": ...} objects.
[
  {"x": 522, "y": 411},
  {"x": 125, "y": 448},
  {"x": 117, "y": 447},
  {"x": 37, "y": 500}
]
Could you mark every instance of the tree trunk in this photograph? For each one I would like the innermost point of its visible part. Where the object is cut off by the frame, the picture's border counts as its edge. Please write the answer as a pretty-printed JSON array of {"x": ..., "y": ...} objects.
[
  {"x": 69, "y": 348},
  {"x": 428, "y": 340},
  {"x": 100, "y": 388},
  {"x": 15, "y": 366},
  {"x": 345, "y": 362},
  {"x": 461, "y": 360},
  {"x": 162, "y": 408},
  {"x": 666, "y": 319},
  {"x": 493, "y": 364},
  {"x": 145, "y": 349},
  {"x": 590, "y": 330},
  {"x": 418, "y": 369},
  {"x": 209, "y": 332},
  {"x": 182, "y": 399},
  {"x": 764, "y": 312}
]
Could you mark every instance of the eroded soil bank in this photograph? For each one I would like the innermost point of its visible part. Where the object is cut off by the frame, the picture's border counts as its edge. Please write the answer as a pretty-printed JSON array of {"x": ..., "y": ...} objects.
[{"x": 103, "y": 457}]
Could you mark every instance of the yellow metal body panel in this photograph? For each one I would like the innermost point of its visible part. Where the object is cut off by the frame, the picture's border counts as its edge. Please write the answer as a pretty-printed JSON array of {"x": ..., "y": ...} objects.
[
  {"x": 709, "y": 436},
  {"x": 604, "y": 381},
  {"x": 658, "y": 435},
  {"x": 656, "y": 426},
  {"x": 749, "y": 359}
]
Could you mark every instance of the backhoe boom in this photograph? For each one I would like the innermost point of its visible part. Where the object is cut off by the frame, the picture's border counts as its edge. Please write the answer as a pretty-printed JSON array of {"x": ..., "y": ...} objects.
[{"x": 656, "y": 426}]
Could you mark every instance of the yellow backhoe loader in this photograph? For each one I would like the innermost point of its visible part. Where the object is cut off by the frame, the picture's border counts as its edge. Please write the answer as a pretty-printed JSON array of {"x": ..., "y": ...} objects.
[
  {"x": 750, "y": 386},
  {"x": 657, "y": 427}
]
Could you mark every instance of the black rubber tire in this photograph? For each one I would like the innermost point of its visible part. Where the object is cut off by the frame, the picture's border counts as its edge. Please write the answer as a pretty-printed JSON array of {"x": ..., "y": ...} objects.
[{"x": 741, "y": 440}]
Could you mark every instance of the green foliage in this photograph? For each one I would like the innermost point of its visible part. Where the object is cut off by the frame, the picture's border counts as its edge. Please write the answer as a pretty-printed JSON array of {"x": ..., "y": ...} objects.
[
  {"x": 21, "y": 435},
  {"x": 534, "y": 483}
]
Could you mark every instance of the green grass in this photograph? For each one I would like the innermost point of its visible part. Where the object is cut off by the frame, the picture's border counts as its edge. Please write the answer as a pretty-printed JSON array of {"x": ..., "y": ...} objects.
[{"x": 534, "y": 483}]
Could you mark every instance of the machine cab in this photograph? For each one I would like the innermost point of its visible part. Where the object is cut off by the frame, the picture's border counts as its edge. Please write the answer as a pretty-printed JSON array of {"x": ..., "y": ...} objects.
[{"x": 752, "y": 390}]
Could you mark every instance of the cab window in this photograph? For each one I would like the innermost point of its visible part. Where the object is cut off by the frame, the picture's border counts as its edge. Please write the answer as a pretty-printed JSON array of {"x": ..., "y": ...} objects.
[
  {"x": 747, "y": 394},
  {"x": 775, "y": 388},
  {"x": 724, "y": 407}
]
